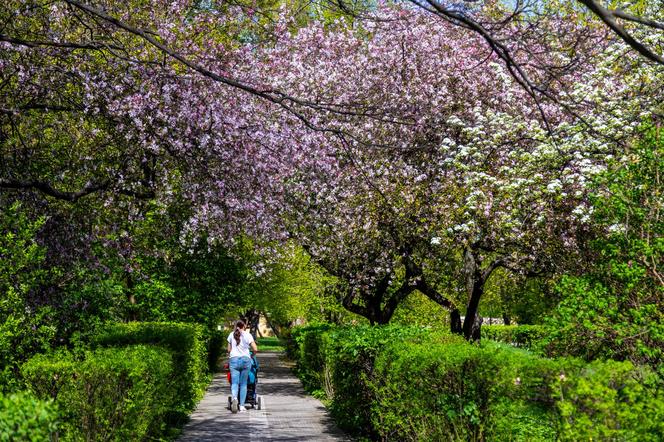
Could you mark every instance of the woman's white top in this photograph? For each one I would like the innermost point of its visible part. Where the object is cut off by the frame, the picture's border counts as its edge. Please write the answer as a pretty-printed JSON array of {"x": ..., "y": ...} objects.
[{"x": 241, "y": 349}]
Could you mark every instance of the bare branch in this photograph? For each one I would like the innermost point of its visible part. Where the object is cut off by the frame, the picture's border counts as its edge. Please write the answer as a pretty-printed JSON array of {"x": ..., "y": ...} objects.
[
  {"x": 88, "y": 189},
  {"x": 636, "y": 19},
  {"x": 57, "y": 44},
  {"x": 609, "y": 18}
]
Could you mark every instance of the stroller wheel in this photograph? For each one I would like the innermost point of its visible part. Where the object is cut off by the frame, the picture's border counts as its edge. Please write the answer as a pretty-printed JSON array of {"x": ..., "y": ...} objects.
[{"x": 259, "y": 402}]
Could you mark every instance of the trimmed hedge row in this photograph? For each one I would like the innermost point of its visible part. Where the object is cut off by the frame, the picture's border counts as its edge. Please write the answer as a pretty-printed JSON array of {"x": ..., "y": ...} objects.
[
  {"x": 405, "y": 383},
  {"x": 139, "y": 381},
  {"x": 24, "y": 417},
  {"x": 522, "y": 336},
  {"x": 185, "y": 343},
  {"x": 111, "y": 394},
  {"x": 216, "y": 349}
]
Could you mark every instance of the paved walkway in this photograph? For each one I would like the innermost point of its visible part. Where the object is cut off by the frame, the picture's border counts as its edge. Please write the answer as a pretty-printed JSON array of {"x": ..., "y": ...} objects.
[{"x": 287, "y": 414}]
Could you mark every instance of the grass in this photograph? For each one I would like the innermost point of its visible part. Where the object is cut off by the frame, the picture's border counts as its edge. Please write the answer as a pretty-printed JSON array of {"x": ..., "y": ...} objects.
[{"x": 270, "y": 344}]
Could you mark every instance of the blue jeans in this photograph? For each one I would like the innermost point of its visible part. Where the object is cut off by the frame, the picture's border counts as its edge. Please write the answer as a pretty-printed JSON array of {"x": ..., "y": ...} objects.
[{"x": 240, "y": 367}]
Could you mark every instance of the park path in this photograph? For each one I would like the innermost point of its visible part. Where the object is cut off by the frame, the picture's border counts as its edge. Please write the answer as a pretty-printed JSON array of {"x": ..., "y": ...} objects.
[{"x": 287, "y": 414}]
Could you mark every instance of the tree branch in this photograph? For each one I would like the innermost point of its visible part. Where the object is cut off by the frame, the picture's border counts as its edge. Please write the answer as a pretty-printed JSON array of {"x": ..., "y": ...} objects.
[
  {"x": 57, "y": 44},
  {"x": 88, "y": 189},
  {"x": 349, "y": 305},
  {"x": 636, "y": 19},
  {"x": 609, "y": 18},
  {"x": 407, "y": 287}
]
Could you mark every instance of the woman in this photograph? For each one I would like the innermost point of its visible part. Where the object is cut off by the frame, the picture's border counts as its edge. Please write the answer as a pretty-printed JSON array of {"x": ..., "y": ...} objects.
[{"x": 239, "y": 343}]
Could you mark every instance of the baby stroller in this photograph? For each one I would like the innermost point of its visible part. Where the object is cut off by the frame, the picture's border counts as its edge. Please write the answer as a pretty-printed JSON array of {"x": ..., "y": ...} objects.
[{"x": 253, "y": 398}]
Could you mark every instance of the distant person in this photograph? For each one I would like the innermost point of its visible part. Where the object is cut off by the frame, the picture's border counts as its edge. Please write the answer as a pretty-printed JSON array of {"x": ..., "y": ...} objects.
[{"x": 239, "y": 343}]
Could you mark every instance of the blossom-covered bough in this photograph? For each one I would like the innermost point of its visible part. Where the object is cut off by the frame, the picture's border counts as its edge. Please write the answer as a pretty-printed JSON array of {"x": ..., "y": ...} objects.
[
  {"x": 470, "y": 163},
  {"x": 381, "y": 149}
]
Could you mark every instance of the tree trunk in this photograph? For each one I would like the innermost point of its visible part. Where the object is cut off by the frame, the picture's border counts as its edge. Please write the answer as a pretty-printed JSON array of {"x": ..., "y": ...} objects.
[
  {"x": 431, "y": 293},
  {"x": 472, "y": 328},
  {"x": 473, "y": 321},
  {"x": 475, "y": 280},
  {"x": 275, "y": 330},
  {"x": 252, "y": 318},
  {"x": 455, "y": 322}
]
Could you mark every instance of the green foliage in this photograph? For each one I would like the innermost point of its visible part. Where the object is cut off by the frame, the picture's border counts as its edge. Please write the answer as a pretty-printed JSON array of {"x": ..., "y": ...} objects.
[
  {"x": 216, "y": 348},
  {"x": 408, "y": 383},
  {"x": 24, "y": 329},
  {"x": 339, "y": 361},
  {"x": 522, "y": 336},
  {"x": 24, "y": 417},
  {"x": 19, "y": 268},
  {"x": 188, "y": 349},
  {"x": 203, "y": 283},
  {"x": 111, "y": 394},
  {"x": 613, "y": 309},
  {"x": 454, "y": 390},
  {"x": 522, "y": 300},
  {"x": 155, "y": 300},
  {"x": 285, "y": 286},
  {"x": 611, "y": 401},
  {"x": 419, "y": 310},
  {"x": 305, "y": 346},
  {"x": 349, "y": 367}
]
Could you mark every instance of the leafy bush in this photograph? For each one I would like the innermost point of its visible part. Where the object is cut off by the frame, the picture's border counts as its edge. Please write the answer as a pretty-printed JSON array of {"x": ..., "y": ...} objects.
[
  {"x": 461, "y": 391},
  {"x": 216, "y": 347},
  {"x": 24, "y": 329},
  {"x": 339, "y": 361},
  {"x": 613, "y": 307},
  {"x": 24, "y": 417},
  {"x": 188, "y": 349},
  {"x": 309, "y": 351},
  {"x": 407, "y": 383},
  {"x": 522, "y": 336},
  {"x": 594, "y": 321},
  {"x": 112, "y": 394},
  {"x": 611, "y": 401}
]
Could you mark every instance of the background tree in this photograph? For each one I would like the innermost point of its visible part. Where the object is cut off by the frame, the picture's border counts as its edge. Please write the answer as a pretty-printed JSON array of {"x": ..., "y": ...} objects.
[
  {"x": 475, "y": 167},
  {"x": 613, "y": 308}
]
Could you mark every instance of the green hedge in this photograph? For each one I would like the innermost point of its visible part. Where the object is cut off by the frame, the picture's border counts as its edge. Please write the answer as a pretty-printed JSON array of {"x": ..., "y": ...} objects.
[
  {"x": 611, "y": 400},
  {"x": 24, "y": 417},
  {"x": 187, "y": 346},
  {"x": 522, "y": 336},
  {"x": 115, "y": 394},
  {"x": 216, "y": 348},
  {"x": 338, "y": 362},
  {"x": 396, "y": 383},
  {"x": 305, "y": 345}
]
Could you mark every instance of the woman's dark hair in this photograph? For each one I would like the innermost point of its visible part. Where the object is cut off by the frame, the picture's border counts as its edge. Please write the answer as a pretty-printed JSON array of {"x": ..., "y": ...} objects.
[{"x": 239, "y": 325}]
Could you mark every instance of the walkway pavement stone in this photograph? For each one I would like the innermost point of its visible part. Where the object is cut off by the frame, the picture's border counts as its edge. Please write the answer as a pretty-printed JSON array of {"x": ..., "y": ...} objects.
[{"x": 287, "y": 414}]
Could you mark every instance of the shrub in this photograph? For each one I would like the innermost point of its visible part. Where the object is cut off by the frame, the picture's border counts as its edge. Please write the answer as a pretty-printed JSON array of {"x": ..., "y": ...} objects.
[
  {"x": 307, "y": 347},
  {"x": 188, "y": 349},
  {"x": 112, "y": 394},
  {"x": 406, "y": 383},
  {"x": 24, "y": 329},
  {"x": 613, "y": 307},
  {"x": 461, "y": 391},
  {"x": 522, "y": 336},
  {"x": 216, "y": 347},
  {"x": 351, "y": 353},
  {"x": 611, "y": 401},
  {"x": 340, "y": 362},
  {"x": 24, "y": 417}
]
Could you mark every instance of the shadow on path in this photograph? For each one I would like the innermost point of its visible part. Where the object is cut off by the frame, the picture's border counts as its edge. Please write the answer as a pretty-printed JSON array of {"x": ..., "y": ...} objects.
[{"x": 288, "y": 413}]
